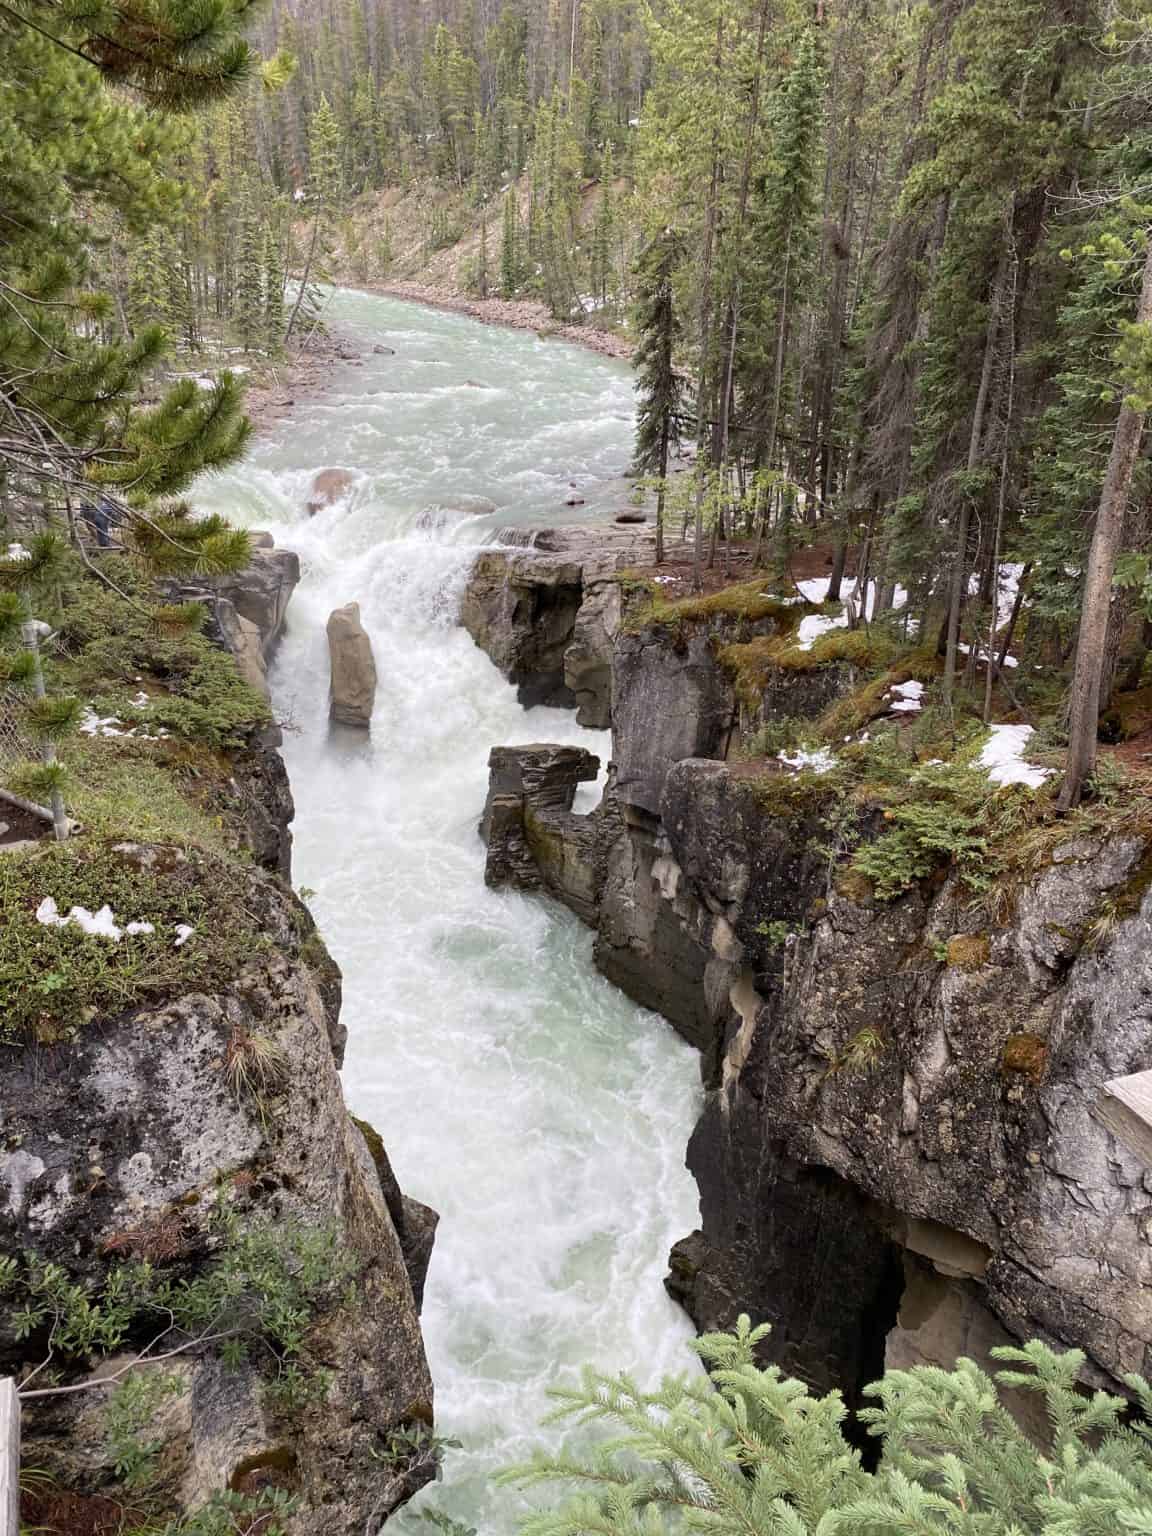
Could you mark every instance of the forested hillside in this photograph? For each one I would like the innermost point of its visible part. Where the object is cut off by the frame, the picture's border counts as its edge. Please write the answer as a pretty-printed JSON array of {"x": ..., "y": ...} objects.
[{"x": 885, "y": 259}]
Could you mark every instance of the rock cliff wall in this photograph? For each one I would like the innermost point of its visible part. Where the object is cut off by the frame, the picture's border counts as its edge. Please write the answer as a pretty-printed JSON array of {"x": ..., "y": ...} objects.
[
  {"x": 164, "y": 1124},
  {"x": 897, "y": 1157}
]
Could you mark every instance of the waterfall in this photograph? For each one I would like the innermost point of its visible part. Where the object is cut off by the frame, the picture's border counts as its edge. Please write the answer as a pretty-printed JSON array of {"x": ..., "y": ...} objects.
[{"x": 541, "y": 1113}]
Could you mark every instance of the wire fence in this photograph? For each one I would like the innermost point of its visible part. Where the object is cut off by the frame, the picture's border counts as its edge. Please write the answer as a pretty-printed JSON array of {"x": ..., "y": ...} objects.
[{"x": 16, "y": 745}]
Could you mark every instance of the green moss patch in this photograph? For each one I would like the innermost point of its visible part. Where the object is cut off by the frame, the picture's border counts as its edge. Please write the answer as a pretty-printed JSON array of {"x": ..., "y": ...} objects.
[
  {"x": 856, "y": 710},
  {"x": 746, "y": 601},
  {"x": 55, "y": 980},
  {"x": 968, "y": 951},
  {"x": 115, "y": 652},
  {"x": 788, "y": 793}
]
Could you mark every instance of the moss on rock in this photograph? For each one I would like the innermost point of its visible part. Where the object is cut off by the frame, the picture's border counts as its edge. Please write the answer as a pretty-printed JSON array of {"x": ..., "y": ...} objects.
[{"x": 968, "y": 951}]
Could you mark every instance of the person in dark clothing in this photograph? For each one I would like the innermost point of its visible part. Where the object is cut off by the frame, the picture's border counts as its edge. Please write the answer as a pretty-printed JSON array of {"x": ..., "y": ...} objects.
[{"x": 102, "y": 518}]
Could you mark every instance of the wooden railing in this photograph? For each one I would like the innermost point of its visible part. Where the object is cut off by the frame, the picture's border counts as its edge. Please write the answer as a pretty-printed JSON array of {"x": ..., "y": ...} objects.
[
  {"x": 1125, "y": 1107},
  {"x": 9, "y": 1458}
]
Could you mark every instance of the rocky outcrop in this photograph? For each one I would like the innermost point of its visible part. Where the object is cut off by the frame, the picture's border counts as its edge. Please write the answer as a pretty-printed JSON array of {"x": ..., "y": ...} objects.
[
  {"x": 898, "y": 1157},
  {"x": 255, "y": 602},
  {"x": 260, "y": 801},
  {"x": 136, "y": 1140},
  {"x": 588, "y": 654},
  {"x": 163, "y": 1126},
  {"x": 548, "y": 615},
  {"x": 521, "y": 610},
  {"x": 534, "y": 840},
  {"x": 353, "y": 668}
]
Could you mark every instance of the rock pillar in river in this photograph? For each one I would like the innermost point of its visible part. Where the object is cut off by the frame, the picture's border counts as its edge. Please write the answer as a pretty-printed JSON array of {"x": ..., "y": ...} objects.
[{"x": 353, "y": 668}]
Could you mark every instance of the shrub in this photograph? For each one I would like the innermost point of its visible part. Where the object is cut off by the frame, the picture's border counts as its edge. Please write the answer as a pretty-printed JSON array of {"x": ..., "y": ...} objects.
[
  {"x": 748, "y": 1450},
  {"x": 921, "y": 835}
]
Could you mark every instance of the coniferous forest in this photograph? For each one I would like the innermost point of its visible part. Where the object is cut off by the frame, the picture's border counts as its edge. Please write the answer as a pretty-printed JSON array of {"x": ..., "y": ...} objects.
[
  {"x": 884, "y": 270},
  {"x": 885, "y": 264}
]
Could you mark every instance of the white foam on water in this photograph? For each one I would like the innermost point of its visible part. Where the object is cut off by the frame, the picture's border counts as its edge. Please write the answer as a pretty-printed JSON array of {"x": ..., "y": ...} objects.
[{"x": 541, "y": 1113}]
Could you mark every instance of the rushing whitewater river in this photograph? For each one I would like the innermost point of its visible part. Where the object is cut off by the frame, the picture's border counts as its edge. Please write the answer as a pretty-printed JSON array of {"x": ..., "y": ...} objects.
[{"x": 542, "y": 1114}]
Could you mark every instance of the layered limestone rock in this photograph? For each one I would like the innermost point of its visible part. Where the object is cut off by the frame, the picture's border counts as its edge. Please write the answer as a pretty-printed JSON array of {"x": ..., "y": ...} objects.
[
  {"x": 897, "y": 1156},
  {"x": 353, "y": 668},
  {"x": 535, "y": 841},
  {"x": 259, "y": 595},
  {"x": 548, "y": 615},
  {"x": 521, "y": 610}
]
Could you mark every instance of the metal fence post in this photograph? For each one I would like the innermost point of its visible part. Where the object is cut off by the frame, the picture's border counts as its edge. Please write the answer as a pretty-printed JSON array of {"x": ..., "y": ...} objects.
[{"x": 9, "y": 1458}]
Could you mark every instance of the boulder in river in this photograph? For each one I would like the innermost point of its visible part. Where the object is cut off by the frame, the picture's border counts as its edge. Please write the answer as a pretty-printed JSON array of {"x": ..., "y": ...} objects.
[
  {"x": 327, "y": 489},
  {"x": 353, "y": 668}
]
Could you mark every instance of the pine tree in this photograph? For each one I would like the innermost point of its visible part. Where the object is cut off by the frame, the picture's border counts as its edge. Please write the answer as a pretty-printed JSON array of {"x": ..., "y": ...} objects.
[
  {"x": 604, "y": 233},
  {"x": 76, "y": 151},
  {"x": 250, "y": 321},
  {"x": 273, "y": 326},
  {"x": 326, "y": 160}
]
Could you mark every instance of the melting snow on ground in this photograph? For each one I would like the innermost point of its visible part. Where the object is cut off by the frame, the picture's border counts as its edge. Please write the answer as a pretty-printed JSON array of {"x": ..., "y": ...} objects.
[
  {"x": 91, "y": 724},
  {"x": 817, "y": 624},
  {"x": 909, "y": 698},
  {"x": 102, "y": 924},
  {"x": 818, "y": 761},
  {"x": 1003, "y": 757}
]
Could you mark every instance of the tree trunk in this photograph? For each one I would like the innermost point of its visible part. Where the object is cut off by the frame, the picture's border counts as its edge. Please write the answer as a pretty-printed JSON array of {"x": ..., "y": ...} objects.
[
  {"x": 960, "y": 558},
  {"x": 1106, "y": 540},
  {"x": 733, "y": 315},
  {"x": 703, "y": 386},
  {"x": 661, "y": 492}
]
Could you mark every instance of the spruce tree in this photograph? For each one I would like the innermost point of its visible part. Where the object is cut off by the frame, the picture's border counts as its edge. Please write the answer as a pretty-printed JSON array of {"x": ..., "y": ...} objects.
[
  {"x": 510, "y": 260},
  {"x": 250, "y": 313},
  {"x": 659, "y": 387},
  {"x": 604, "y": 232},
  {"x": 749, "y": 1450}
]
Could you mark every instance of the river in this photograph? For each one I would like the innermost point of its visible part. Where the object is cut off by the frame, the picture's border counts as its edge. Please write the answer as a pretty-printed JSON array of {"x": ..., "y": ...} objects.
[{"x": 519, "y": 1094}]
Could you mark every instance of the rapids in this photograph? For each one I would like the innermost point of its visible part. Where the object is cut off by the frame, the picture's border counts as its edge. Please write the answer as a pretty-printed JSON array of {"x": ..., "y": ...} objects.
[{"x": 519, "y": 1094}]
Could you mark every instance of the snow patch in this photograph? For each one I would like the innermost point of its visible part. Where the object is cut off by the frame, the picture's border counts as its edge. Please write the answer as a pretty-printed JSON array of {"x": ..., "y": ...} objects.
[
  {"x": 815, "y": 590},
  {"x": 97, "y": 925},
  {"x": 1003, "y": 757},
  {"x": 909, "y": 698},
  {"x": 820, "y": 760}
]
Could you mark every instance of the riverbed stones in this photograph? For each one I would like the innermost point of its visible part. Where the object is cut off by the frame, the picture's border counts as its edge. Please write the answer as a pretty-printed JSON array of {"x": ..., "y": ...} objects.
[{"x": 353, "y": 668}]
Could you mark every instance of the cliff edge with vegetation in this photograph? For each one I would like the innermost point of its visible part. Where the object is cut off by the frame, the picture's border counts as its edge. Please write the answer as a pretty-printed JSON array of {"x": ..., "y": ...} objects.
[
  {"x": 212, "y": 1279},
  {"x": 907, "y": 975}
]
